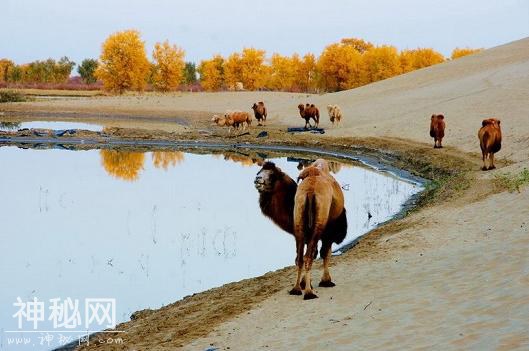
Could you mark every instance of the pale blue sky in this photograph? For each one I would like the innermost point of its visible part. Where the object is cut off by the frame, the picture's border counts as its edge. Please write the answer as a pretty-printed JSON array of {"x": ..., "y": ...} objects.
[{"x": 37, "y": 29}]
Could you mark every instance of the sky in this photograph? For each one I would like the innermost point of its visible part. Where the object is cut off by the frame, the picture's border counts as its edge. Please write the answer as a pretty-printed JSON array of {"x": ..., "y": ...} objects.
[{"x": 37, "y": 29}]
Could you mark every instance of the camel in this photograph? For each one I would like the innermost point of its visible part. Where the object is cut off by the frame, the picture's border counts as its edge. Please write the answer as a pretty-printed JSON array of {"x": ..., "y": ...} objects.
[
  {"x": 233, "y": 120},
  {"x": 309, "y": 111},
  {"x": 335, "y": 113},
  {"x": 259, "y": 110},
  {"x": 437, "y": 130},
  {"x": 490, "y": 141},
  {"x": 278, "y": 198}
]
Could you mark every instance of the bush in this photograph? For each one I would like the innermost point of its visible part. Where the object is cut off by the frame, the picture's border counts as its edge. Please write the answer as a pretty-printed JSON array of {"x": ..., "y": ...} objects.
[{"x": 11, "y": 96}]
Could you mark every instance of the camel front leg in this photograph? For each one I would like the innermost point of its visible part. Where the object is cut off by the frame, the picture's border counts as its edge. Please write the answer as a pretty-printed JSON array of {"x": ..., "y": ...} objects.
[
  {"x": 491, "y": 161},
  {"x": 326, "y": 281}
]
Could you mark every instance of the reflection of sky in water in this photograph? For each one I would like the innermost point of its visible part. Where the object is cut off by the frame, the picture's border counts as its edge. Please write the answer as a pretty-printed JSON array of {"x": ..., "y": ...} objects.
[
  {"x": 174, "y": 225},
  {"x": 10, "y": 126}
]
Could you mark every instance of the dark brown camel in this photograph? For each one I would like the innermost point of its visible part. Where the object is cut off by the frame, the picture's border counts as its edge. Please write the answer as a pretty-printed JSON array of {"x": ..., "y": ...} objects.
[{"x": 309, "y": 111}]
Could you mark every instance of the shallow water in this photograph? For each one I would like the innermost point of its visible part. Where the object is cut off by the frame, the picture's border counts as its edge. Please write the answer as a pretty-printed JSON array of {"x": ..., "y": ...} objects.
[
  {"x": 56, "y": 125},
  {"x": 150, "y": 228}
]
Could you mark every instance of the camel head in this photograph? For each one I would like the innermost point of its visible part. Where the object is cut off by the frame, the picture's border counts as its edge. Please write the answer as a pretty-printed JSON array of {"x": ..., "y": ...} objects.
[
  {"x": 301, "y": 107},
  {"x": 254, "y": 107},
  {"x": 267, "y": 176},
  {"x": 330, "y": 108}
]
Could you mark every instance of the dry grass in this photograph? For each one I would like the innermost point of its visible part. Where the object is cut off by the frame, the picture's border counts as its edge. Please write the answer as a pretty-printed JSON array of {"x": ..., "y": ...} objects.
[{"x": 512, "y": 182}]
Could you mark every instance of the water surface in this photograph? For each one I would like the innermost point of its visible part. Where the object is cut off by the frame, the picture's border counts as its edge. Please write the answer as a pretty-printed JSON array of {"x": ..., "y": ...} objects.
[
  {"x": 56, "y": 125},
  {"x": 150, "y": 228}
]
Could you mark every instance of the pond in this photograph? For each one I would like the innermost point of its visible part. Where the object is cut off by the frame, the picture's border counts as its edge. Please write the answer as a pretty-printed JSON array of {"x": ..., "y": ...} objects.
[
  {"x": 8, "y": 126},
  {"x": 148, "y": 228}
]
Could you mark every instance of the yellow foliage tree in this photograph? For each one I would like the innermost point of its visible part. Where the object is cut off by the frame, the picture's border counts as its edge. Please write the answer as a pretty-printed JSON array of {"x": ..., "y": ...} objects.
[
  {"x": 380, "y": 63},
  {"x": 282, "y": 73},
  {"x": 419, "y": 58},
  {"x": 460, "y": 52},
  {"x": 339, "y": 66},
  {"x": 123, "y": 164},
  {"x": 5, "y": 67},
  {"x": 212, "y": 73},
  {"x": 246, "y": 67},
  {"x": 123, "y": 62},
  {"x": 359, "y": 45},
  {"x": 169, "y": 64}
]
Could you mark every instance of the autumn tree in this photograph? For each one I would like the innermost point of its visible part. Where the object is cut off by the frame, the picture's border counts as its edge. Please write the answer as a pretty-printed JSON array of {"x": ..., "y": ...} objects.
[
  {"x": 246, "y": 67},
  {"x": 5, "y": 66},
  {"x": 380, "y": 63},
  {"x": 339, "y": 66},
  {"x": 411, "y": 60},
  {"x": 124, "y": 165},
  {"x": 212, "y": 73},
  {"x": 359, "y": 45},
  {"x": 123, "y": 62},
  {"x": 460, "y": 52},
  {"x": 169, "y": 66},
  {"x": 87, "y": 70},
  {"x": 282, "y": 73}
]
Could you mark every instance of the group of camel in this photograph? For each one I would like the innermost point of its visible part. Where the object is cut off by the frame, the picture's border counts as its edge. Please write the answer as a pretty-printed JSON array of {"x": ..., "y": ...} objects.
[
  {"x": 314, "y": 210},
  {"x": 489, "y": 137},
  {"x": 242, "y": 119},
  {"x": 311, "y": 211}
]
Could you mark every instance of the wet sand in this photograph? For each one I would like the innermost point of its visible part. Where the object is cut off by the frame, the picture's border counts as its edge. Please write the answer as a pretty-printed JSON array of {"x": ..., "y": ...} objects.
[{"x": 452, "y": 275}]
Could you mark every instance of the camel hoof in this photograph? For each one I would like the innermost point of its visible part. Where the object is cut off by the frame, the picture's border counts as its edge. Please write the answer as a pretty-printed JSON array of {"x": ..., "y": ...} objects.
[
  {"x": 483, "y": 168},
  {"x": 310, "y": 296},
  {"x": 295, "y": 291},
  {"x": 492, "y": 167},
  {"x": 326, "y": 284}
]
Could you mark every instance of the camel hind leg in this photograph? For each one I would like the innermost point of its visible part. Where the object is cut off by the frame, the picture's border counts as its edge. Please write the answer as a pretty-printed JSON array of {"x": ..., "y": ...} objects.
[{"x": 326, "y": 254}]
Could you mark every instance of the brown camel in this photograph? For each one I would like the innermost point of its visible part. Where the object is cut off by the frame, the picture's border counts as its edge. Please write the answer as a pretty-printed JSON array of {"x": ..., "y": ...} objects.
[
  {"x": 259, "y": 110},
  {"x": 277, "y": 195},
  {"x": 309, "y": 111},
  {"x": 490, "y": 141},
  {"x": 437, "y": 130}
]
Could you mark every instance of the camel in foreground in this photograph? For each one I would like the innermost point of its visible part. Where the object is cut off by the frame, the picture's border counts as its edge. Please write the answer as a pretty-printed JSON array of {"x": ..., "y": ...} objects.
[
  {"x": 259, "y": 110},
  {"x": 490, "y": 141},
  {"x": 335, "y": 113},
  {"x": 280, "y": 198},
  {"x": 437, "y": 130},
  {"x": 307, "y": 112}
]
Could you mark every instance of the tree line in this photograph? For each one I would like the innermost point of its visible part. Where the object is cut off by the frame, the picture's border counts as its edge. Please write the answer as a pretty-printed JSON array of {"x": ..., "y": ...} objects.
[{"x": 124, "y": 66}]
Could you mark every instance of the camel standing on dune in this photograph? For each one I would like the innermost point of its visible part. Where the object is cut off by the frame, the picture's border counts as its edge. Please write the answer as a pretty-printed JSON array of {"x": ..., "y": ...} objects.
[
  {"x": 259, "y": 110},
  {"x": 437, "y": 130},
  {"x": 490, "y": 141},
  {"x": 278, "y": 197},
  {"x": 307, "y": 112},
  {"x": 335, "y": 113}
]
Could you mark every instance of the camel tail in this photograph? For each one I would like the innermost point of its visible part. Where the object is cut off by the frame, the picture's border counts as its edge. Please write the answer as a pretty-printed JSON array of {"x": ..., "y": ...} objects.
[{"x": 310, "y": 214}]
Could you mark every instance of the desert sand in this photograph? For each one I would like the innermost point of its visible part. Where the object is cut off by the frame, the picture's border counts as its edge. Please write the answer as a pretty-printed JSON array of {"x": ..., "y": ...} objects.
[{"x": 453, "y": 275}]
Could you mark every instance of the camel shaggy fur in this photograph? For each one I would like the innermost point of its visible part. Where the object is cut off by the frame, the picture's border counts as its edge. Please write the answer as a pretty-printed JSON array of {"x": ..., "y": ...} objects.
[
  {"x": 309, "y": 111},
  {"x": 280, "y": 198},
  {"x": 234, "y": 120},
  {"x": 335, "y": 113},
  {"x": 437, "y": 130},
  {"x": 259, "y": 110},
  {"x": 490, "y": 141}
]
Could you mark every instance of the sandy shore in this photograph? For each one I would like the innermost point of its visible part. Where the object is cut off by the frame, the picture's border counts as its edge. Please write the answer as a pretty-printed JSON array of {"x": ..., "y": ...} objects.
[{"x": 453, "y": 275}]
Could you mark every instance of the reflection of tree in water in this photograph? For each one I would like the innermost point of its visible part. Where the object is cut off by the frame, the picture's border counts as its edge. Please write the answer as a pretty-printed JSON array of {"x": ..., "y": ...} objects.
[
  {"x": 10, "y": 125},
  {"x": 164, "y": 159},
  {"x": 123, "y": 164}
]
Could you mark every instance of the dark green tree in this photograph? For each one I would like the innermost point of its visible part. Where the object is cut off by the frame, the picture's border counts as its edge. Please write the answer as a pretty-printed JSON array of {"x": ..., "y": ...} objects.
[
  {"x": 190, "y": 73},
  {"x": 86, "y": 70}
]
